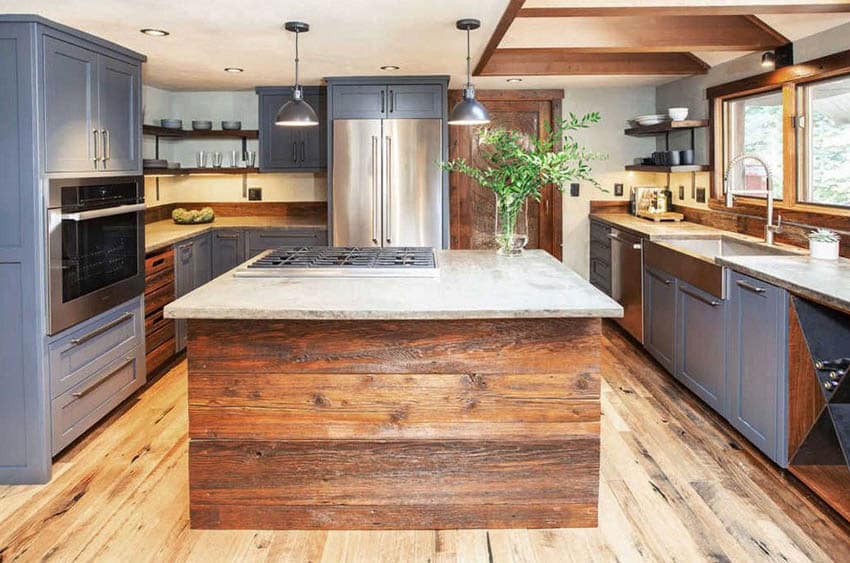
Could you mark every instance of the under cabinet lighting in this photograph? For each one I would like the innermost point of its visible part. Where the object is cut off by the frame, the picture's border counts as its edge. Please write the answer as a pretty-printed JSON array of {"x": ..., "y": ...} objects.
[
  {"x": 514, "y": 80},
  {"x": 154, "y": 32},
  {"x": 234, "y": 69},
  {"x": 390, "y": 67}
]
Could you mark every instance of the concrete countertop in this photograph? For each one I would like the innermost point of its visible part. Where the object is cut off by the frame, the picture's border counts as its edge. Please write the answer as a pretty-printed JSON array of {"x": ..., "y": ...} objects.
[
  {"x": 161, "y": 234},
  {"x": 657, "y": 231},
  {"x": 471, "y": 285}
]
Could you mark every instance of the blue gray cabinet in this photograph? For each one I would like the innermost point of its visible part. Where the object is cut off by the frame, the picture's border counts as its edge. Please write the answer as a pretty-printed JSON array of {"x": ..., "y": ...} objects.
[
  {"x": 228, "y": 250},
  {"x": 119, "y": 113},
  {"x": 600, "y": 256},
  {"x": 701, "y": 344},
  {"x": 359, "y": 101},
  {"x": 192, "y": 269},
  {"x": 659, "y": 316},
  {"x": 48, "y": 103},
  {"x": 203, "y": 259},
  {"x": 757, "y": 342},
  {"x": 259, "y": 240},
  {"x": 388, "y": 101},
  {"x": 298, "y": 149}
]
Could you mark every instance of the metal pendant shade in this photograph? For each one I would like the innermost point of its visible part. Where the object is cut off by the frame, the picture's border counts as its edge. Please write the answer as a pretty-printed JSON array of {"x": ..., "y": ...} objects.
[
  {"x": 296, "y": 112},
  {"x": 469, "y": 111}
]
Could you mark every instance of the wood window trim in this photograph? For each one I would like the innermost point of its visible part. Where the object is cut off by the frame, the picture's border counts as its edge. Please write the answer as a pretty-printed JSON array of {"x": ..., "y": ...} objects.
[{"x": 786, "y": 79}]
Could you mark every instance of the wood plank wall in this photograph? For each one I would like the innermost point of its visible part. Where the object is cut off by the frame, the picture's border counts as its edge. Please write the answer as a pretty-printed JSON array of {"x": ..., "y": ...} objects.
[{"x": 301, "y": 209}]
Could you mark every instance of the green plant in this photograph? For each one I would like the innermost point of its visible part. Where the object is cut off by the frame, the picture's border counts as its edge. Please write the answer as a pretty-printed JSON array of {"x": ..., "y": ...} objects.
[
  {"x": 823, "y": 235},
  {"x": 517, "y": 167}
]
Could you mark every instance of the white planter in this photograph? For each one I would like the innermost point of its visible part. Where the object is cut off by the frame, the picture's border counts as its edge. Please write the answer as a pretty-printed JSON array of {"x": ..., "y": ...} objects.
[{"x": 823, "y": 250}]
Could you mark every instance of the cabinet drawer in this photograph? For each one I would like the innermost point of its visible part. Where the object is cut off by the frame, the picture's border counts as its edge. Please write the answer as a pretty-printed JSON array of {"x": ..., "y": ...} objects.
[
  {"x": 162, "y": 333},
  {"x": 160, "y": 355},
  {"x": 599, "y": 233},
  {"x": 159, "y": 262},
  {"x": 601, "y": 268},
  {"x": 89, "y": 349},
  {"x": 261, "y": 240},
  {"x": 159, "y": 298},
  {"x": 158, "y": 279},
  {"x": 83, "y": 405}
]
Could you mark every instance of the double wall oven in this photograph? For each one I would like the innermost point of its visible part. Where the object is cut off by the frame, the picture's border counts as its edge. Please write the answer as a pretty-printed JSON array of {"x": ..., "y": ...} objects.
[{"x": 95, "y": 246}]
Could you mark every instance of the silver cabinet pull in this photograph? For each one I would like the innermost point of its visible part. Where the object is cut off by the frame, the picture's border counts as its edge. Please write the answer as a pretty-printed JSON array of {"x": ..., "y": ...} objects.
[
  {"x": 389, "y": 186},
  {"x": 92, "y": 386},
  {"x": 699, "y": 297},
  {"x": 229, "y": 237},
  {"x": 96, "y": 148},
  {"x": 106, "y": 150},
  {"x": 750, "y": 287},
  {"x": 303, "y": 151},
  {"x": 375, "y": 226},
  {"x": 659, "y": 278},
  {"x": 383, "y": 101},
  {"x": 108, "y": 212},
  {"x": 294, "y": 151},
  {"x": 100, "y": 330},
  {"x": 392, "y": 101}
]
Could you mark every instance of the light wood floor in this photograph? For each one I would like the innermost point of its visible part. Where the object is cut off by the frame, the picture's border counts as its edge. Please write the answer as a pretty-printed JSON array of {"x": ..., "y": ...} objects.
[{"x": 676, "y": 486}]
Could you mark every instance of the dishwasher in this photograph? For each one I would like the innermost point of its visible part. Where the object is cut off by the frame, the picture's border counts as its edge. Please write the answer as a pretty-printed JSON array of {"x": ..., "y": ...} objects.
[{"x": 627, "y": 280}]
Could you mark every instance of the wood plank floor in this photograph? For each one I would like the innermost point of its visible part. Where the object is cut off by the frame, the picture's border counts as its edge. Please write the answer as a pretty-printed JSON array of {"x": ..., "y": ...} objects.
[{"x": 677, "y": 485}]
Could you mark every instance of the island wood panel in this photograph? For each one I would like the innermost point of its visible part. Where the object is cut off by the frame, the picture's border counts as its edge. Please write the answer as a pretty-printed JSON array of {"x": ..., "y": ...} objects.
[
  {"x": 359, "y": 424},
  {"x": 805, "y": 399}
]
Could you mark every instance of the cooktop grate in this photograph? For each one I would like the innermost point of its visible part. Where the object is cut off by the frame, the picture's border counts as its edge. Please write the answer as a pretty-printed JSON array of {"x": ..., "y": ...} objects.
[{"x": 294, "y": 257}]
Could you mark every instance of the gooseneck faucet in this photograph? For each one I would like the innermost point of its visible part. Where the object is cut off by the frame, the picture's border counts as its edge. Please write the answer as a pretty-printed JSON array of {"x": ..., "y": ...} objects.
[{"x": 770, "y": 228}]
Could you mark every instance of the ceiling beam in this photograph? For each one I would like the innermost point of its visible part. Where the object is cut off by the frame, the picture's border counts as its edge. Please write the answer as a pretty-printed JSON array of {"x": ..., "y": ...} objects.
[
  {"x": 644, "y": 11},
  {"x": 513, "y": 8},
  {"x": 566, "y": 62},
  {"x": 656, "y": 34}
]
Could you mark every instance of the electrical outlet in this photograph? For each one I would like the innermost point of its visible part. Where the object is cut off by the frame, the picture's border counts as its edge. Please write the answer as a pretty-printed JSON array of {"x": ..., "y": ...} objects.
[
  {"x": 618, "y": 190},
  {"x": 700, "y": 195},
  {"x": 574, "y": 190},
  {"x": 255, "y": 194},
  {"x": 681, "y": 192}
]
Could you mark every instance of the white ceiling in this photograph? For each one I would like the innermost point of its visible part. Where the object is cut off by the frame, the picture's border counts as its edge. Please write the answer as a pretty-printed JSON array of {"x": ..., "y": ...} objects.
[{"x": 347, "y": 37}]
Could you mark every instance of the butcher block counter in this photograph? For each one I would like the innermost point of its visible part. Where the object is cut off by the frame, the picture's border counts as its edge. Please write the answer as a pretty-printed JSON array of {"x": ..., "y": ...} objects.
[{"x": 470, "y": 399}]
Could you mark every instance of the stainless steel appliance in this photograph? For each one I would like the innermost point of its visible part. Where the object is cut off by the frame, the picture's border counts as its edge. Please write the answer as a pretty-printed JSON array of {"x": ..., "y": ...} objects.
[
  {"x": 344, "y": 262},
  {"x": 387, "y": 184},
  {"x": 95, "y": 246},
  {"x": 627, "y": 280}
]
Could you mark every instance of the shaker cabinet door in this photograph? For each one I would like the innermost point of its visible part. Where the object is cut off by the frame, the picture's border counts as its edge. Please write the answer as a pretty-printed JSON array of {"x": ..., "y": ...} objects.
[
  {"x": 352, "y": 101},
  {"x": 313, "y": 151},
  {"x": 659, "y": 315},
  {"x": 415, "y": 101},
  {"x": 701, "y": 345},
  {"x": 279, "y": 146},
  {"x": 72, "y": 140},
  {"x": 119, "y": 91},
  {"x": 228, "y": 250},
  {"x": 202, "y": 260}
]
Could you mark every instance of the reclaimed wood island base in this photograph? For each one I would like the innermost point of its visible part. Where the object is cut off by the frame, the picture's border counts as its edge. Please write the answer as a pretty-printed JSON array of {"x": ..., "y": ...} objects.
[
  {"x": 394, "y": 425},
  {"x": 464, "y": 400}
]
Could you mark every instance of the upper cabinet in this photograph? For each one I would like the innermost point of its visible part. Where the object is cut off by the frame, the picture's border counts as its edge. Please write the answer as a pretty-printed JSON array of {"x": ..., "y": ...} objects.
[
  {"x": 92, "y": 108},
  {"x": 388, "y": 101},
  {"x": 292, "y": 149}
]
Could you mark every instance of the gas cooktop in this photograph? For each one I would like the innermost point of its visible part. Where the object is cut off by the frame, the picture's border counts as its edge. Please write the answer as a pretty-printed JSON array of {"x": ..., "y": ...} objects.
[{"x": 312, "y": 261}]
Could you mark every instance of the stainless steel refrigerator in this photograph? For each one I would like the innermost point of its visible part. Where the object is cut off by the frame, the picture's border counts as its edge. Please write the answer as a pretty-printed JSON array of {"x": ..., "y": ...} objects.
[{"x": 387, "y": 183}]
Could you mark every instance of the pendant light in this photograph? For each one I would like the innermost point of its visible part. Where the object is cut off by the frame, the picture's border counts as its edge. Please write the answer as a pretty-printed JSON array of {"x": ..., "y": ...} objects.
[
  {"x": 296, "y": 112},
  {"x": 469, "y": 111}
]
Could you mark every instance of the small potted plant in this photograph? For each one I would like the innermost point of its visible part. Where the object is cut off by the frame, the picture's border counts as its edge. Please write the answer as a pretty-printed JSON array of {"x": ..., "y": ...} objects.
[
  {"x": 516, "y": 168},
  {"x": 823, "y": 244}
]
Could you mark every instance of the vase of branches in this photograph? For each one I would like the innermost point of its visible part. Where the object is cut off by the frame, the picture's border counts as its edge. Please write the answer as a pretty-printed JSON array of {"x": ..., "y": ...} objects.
[{"x": 517, "y": 167}]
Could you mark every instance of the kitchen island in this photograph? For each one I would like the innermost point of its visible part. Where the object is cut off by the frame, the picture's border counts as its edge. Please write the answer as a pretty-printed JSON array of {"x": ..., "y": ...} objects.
[{"x": 465, "y": 400}]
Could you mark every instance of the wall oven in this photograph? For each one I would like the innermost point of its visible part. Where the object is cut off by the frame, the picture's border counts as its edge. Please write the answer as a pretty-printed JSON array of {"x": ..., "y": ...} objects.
[{"x": 95, "y": 246}]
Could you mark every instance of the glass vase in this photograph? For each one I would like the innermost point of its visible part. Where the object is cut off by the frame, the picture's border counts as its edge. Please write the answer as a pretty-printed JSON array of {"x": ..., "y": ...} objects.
[{"x": 511, "y": 225}]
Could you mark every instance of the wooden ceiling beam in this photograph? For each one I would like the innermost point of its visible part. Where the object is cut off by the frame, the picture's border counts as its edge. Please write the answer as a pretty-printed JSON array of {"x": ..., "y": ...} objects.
[
  {"x": 644, "y": 11},
  {"x": 577, "y": 62},
  {"x": 514, "y": 6}
]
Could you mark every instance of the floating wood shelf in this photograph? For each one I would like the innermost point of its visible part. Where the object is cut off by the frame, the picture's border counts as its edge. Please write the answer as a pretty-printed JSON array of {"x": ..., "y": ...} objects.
[
  {"x": 192, "y": 134},
  {"x": 666, "y": 127},
  {"x": 199, "y": 171},
  {"x": 668, "y": 169}
]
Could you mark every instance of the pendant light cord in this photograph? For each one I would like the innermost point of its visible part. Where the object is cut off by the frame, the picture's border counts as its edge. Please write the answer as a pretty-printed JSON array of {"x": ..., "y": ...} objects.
[
  {"x": 296, "y": 59},
  {"x": 468, "y": 58}
]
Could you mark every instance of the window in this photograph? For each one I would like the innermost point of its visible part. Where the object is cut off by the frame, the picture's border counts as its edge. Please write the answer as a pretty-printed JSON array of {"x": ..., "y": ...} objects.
[
  {"x": 753, "y": 125},
  {"x": 824, "y": 142}
]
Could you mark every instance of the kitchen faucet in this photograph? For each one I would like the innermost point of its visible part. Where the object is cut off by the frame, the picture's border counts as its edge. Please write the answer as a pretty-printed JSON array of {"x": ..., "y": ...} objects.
[{"x": 770, "y": 228}]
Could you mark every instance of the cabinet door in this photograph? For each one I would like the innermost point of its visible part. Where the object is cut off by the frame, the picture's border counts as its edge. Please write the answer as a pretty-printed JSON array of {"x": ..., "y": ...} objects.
[
  {"x": 359, "y": 102},
  {"x": 267, "y": 239},
  {"x": 415, "y": 101},
  {"x": 227, "y": 251},
  {"x": 71, "y": 132},
  {"x": 119, "y": 109},
  {"x": 279, "y": 146},
  {"x": 659, "y": 317},
  {"x": 757, "y": 371},
  {"x": 202, "y": 260},
  {"x": 313, "y": 151},
  {"x": 184, "y": 282},
  {"x": 701, "y": 345}
]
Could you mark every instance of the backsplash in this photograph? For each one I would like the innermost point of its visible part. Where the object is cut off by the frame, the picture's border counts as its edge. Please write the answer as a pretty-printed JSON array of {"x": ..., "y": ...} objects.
[{"x": 302, "y": 209}]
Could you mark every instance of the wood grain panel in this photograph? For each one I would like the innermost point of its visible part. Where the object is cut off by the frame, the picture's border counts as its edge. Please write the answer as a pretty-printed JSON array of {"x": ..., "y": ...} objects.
[
  {"x": 511, "y": 10},
  {"x": 612, "y": 206},
  {"x": 653, "y": 11},
  {"x": 560, "y": 61},
  {"x": 805, "y": 399},
  {"x": 399, "y": 473},
  {"x": 830, "y": 482},
  {"x": 159, "y": 298},
  {"x": 159, "y": 262},
  {"x": 160, "y": 356},
  {"x": 308, "y": 210},
  {"x": 466, "y": 346}
]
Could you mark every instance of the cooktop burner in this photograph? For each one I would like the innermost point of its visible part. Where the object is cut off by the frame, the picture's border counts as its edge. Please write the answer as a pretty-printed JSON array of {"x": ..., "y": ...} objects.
[{"x": 344, "y": 261}]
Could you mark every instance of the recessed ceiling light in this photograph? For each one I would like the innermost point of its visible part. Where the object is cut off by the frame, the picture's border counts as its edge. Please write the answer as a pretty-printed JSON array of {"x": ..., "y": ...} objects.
[
  {"x": 768, "y": 59},
  {"x": 390, "y": 67},
  {"x": 234, "y": 69},
  {"x": 514, "y": 80},
  {"x": 154, "y": 32}
]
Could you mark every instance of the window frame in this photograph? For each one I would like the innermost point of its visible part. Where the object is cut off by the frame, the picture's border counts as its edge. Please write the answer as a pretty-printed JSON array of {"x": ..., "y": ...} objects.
[{"x": 788, "y": 80}]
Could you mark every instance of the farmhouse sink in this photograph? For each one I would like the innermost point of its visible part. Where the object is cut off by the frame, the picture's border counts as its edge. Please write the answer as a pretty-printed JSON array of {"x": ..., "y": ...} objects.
[{"x": 726, "y": 246}]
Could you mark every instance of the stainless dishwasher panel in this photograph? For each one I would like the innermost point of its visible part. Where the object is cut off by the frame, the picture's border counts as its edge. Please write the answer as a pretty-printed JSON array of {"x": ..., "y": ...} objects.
[
  {"x": 627, "y": 280},
  {"x": 357, "y": 183}
]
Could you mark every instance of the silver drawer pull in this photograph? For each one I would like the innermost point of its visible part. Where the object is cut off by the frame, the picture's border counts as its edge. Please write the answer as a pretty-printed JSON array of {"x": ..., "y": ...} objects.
[
  {"x": 613, "y": 236},
  {"x": 108, "y": 212},
  {"x": 228, "y": 237},
  {"x": 750, "y": 287},
  {"x": 699, "y": 297},
  {"x": 659, "y": 278},
  {"x": 91, "y": 387},
  {"x": 98, "y": 331}
]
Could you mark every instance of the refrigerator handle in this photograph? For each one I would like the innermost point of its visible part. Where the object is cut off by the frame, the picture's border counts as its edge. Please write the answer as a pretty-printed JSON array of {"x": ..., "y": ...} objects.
[
  {"x": 375, "y": 195},
  {"x": 388, "y": 186}
]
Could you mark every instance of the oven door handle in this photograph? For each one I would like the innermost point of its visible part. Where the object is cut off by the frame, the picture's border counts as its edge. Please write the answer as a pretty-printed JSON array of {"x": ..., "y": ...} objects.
[{"x": 108, "y": 212}]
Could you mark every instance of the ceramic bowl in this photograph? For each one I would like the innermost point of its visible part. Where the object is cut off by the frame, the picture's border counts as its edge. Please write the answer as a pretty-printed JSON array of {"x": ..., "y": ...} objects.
[
  {"x": 171, "y": 123},
  {"x": 202, "y": 125},
  {"x": 231, "y": 125},
  {"x": 678, "y": 114}
]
